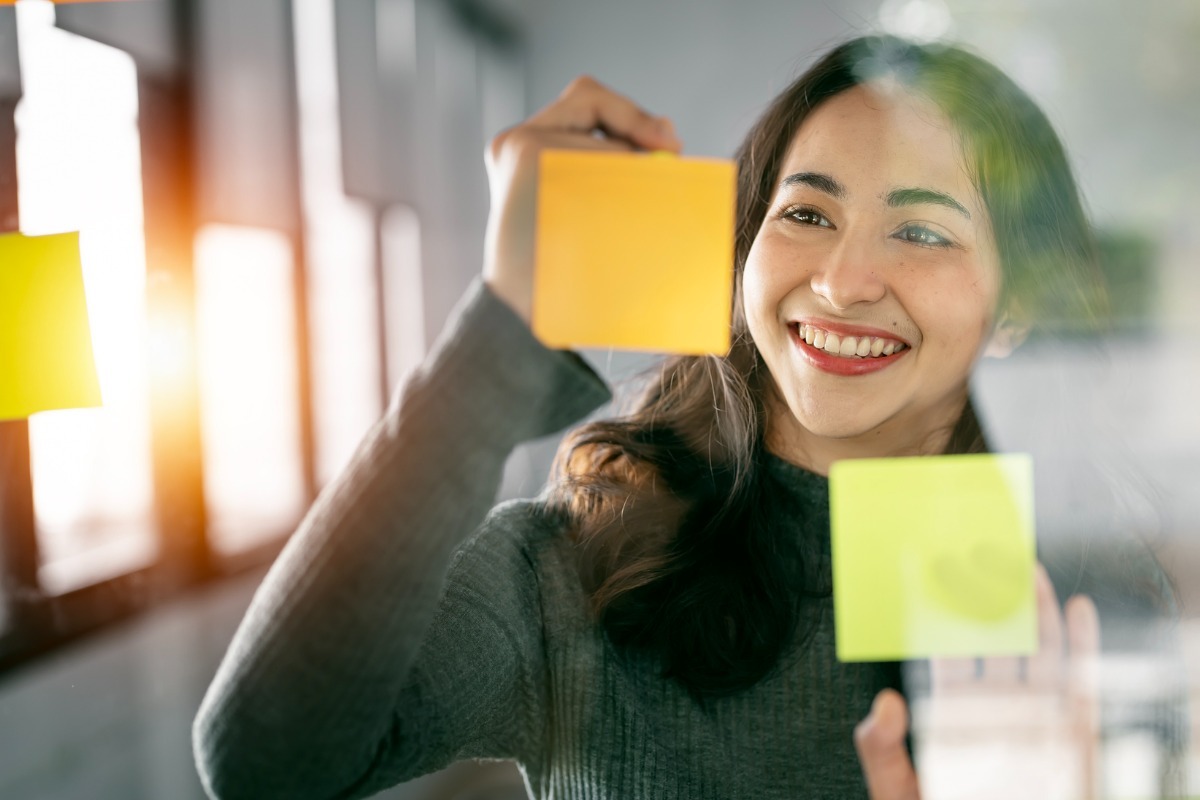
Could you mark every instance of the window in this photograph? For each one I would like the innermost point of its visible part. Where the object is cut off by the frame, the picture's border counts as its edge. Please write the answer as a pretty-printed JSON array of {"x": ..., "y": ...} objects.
[
  {"x": 79, "y": 168},
  {"x": 253, "y": 301},
  {"x": 250, "y": 420},
  {"x": 346, "y": 357}
]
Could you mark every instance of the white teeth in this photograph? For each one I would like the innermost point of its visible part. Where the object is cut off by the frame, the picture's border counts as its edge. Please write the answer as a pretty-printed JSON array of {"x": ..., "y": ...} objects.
[{"x": 848, "y": 346}]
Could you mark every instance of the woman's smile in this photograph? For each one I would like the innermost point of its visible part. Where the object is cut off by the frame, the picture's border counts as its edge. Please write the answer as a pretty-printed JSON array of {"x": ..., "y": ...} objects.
[{"x": 845, "y": 353}]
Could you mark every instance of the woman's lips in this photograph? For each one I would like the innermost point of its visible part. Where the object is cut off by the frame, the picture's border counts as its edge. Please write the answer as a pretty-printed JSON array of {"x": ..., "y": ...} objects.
[{"x": 848, "y": 364}]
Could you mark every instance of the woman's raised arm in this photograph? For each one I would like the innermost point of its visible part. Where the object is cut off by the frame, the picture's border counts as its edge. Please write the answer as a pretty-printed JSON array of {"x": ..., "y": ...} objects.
[{"x": 330, "y": 687}]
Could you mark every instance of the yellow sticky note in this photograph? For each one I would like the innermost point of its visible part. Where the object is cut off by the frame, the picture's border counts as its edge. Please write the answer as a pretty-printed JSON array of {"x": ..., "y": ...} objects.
[
  {"x": 933, "y": 557},
  {"x": 45, "y": 343},
  {"x": 634, "y": 251}
]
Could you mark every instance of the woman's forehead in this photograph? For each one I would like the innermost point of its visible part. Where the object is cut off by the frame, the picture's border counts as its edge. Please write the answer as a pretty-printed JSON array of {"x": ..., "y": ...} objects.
[{"x": 878, "y": 136}]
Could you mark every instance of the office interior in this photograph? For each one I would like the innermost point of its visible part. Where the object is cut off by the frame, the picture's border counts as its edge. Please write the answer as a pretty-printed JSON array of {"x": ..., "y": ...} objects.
[{"x": 279, "y": 204}]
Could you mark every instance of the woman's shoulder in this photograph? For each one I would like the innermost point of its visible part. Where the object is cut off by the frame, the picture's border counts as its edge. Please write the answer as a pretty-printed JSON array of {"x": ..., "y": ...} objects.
[
  {"x": 529, "y": 537},
  {"x": 529, "y": 522}
]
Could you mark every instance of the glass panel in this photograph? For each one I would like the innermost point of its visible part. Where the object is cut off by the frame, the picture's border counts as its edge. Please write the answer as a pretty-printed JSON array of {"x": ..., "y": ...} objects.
[
  {"x": 79, "y": 168},
  {"x": 245, "y": 319},
  {"x": 347, "y": 394}
]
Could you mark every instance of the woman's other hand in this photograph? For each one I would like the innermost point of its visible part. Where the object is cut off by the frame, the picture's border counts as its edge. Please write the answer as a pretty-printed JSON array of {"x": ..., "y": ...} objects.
[
  {"x": 586, "y": 116},
  {"x": 998, "y": 727}
]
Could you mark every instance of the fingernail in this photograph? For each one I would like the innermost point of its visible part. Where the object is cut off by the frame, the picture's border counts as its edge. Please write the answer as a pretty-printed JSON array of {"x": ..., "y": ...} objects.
[
  {"x": 876, "y": 712},
  {"x": 666, "y": 127}
]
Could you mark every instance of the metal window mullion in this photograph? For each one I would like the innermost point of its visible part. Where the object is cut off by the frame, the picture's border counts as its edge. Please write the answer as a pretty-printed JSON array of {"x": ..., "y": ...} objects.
[
  {"x": 167, "y": 131},
  {"x": 300, "y": 255}
]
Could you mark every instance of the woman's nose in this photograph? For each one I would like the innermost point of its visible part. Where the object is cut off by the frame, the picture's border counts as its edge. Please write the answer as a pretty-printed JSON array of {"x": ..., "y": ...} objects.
[{"x": 850, "y": 273}]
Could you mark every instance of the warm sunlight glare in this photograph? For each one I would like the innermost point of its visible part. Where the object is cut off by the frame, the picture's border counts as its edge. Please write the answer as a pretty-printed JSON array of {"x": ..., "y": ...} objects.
[
  {"x": 79, "y": 168},
  {"x": 246, "y": 332},
  {"x": 401, "y": 237},
  {"x": 347, "y": 395}
]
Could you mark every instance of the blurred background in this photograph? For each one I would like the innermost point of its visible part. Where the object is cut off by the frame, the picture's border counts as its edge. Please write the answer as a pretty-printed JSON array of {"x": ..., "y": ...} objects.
[{"x": 281, "y": 200}]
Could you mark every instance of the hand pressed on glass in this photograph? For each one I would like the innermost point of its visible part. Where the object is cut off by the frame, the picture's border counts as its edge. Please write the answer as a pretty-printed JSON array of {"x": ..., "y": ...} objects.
[{"x": 999, "y": 727}]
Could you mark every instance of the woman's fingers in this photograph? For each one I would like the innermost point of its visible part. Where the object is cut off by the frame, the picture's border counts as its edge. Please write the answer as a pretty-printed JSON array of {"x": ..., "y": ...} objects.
[
  {"x": 879, "y": 740},
  {"x": 587, "y": 105},
  {"x": 1042, "y": 670},
  {"x": 1021, "y": 724},
  {"x": 1083, "y": 640},
  {"x": 1045, "y": 668},
  {"x": 948, "y": 674},
  {"x": 1002, "y": 672},
  {"x": 587, "y": 116},
  {"x": 1083, "y": 627}
]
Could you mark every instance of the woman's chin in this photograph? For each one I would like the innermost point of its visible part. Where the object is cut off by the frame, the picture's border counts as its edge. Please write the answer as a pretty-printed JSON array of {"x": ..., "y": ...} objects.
[{"x": 807, "y": 429}]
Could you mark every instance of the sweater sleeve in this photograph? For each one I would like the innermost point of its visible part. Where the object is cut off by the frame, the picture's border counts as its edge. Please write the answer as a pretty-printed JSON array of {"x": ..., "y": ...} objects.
[{"x": 331, "y": 683}]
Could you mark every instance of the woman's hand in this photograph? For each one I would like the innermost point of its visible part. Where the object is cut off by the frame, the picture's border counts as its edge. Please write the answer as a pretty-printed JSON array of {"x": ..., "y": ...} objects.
[
  {"x": 587, "y": 116},
  {"x": 999, "y": 727}
]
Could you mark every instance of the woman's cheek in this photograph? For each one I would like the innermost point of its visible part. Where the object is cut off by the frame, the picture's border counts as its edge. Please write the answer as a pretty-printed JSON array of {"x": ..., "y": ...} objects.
[{"x": 754, "y": 298}]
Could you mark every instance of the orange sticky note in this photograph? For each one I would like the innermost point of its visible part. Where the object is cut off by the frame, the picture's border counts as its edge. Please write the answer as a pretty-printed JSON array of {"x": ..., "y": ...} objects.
[
  {"x": 634, "y": 251},
  {"x": 45, "y": 342}
]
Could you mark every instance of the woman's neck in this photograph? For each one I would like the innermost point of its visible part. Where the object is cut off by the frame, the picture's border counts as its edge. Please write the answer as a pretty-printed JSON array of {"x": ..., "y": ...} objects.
[{"x": 894, "y": 438}]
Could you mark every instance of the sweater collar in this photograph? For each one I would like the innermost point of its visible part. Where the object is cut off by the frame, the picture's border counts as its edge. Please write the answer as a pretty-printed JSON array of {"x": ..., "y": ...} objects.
[{"x": 796, "y": 481}]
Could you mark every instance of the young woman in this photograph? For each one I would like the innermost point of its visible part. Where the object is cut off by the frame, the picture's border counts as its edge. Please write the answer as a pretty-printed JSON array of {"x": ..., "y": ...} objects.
[{"x": 658, "y": 624}]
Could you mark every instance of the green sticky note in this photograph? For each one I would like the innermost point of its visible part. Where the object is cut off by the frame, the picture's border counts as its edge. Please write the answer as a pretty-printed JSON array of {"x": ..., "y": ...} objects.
[
  {"x": 933, "y": 557},
  {"x": 45, "y": 342}
]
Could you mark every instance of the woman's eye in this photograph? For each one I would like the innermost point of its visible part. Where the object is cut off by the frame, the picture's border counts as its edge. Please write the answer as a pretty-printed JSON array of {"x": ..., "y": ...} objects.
[
  {"x": 807, "y": 216},
  {"x": 923, "y": 236}
]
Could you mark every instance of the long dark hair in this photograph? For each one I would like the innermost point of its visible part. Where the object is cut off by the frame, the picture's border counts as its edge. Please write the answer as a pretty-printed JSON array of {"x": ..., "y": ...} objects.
[{"x": 670, "y": 504}]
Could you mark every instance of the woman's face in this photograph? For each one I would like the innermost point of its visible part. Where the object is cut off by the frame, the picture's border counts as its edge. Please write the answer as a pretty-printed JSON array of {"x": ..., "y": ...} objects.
[{"x": 875, "y": 243}]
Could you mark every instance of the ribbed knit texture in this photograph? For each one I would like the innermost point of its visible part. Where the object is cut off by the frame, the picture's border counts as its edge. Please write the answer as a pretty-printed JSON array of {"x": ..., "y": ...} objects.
[{"x": 405, "y": 627}]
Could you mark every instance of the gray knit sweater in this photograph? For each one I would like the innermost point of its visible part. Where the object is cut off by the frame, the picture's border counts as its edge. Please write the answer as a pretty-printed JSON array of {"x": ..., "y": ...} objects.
[{"x": 405, "y": 627}]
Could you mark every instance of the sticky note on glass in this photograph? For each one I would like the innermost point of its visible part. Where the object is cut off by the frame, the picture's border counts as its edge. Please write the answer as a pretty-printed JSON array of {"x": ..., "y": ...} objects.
[
  {"x": 634, "y": 251},
  {"x": 45, "y": 343},
  {"x": 933, "y": 557}
]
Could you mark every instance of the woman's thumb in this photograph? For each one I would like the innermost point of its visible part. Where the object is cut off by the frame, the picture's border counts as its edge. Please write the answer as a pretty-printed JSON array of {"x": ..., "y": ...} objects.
[{"x": 880, "y": 742}]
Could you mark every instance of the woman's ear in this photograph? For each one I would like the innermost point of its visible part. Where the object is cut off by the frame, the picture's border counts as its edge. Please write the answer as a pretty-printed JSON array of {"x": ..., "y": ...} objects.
[{"x": 1009, "y": 332}]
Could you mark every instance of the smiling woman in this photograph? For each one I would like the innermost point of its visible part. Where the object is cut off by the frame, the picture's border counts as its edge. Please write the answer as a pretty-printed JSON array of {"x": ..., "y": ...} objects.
[
  {"x": 658, "y": 624},
  {"x": 850, "y": 250},
  {"x": 876, "y": 200}
]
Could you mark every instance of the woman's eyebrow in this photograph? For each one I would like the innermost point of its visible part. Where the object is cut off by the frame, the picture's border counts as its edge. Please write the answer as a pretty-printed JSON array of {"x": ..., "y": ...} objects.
[
  {"x": 916, "y": 196},
  {"x": 817, "y": 180},
  {"x": 907, "y": 196}
]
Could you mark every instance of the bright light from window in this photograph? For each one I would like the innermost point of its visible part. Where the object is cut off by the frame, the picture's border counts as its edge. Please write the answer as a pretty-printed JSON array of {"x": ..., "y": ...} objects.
[
  {"x": 344, "y": 320},
  {"x": 402, "y": 291},
  {"x": 79, "y": 168},
  {"x": 246, "y": 326}
]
